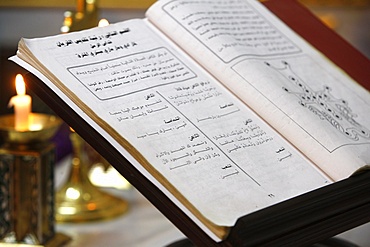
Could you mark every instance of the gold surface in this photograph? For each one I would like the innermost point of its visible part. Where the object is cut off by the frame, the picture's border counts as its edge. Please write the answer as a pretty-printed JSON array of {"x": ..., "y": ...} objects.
[
  {"x": 42, "y": 128},
  {"x": 79, "y": 200}
]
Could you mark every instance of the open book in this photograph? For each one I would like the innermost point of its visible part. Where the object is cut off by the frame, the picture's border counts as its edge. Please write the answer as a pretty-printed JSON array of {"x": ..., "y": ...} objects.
[{"x": 220, "y": 104}]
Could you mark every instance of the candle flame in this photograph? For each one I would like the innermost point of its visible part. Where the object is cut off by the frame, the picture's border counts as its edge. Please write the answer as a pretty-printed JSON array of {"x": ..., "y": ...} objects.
[
  {"x": 103, "y": 23},
  {"x": 19, "y": 85}
]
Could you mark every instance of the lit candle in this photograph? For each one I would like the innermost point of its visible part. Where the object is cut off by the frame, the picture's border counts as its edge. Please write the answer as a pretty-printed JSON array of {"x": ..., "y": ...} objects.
[
  {"x": 103, "y": 23},
  {"x": 22, "y": 105}
]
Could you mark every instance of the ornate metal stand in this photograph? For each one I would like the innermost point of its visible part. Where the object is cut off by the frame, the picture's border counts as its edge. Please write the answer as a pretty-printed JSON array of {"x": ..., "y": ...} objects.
[{"x": 27, "y": 163}]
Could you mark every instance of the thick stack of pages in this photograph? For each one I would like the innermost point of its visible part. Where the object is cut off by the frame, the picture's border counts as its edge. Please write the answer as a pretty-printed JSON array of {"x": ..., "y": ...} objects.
[{"x": 235, "y": 127}]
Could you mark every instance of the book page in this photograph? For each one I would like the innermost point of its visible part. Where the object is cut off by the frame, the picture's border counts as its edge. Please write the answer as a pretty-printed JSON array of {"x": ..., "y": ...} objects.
[
  {"x": 311, "y": 102},
  {"x": 195, "y": 137},
  {"x": 128, "y": 156}
]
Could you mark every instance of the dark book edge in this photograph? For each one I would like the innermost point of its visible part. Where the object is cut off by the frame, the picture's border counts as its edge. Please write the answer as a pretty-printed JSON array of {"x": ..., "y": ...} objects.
[{"x": 309, "y": 218}]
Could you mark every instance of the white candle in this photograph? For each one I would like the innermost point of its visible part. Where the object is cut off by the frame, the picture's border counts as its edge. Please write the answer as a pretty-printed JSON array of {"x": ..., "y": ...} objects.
[
  {"x": 22, "y": 105},
  {"x": 103, "y": 23}
]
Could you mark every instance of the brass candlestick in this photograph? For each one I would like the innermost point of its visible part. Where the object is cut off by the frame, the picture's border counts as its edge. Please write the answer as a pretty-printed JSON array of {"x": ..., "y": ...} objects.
[
  {"x": 27, "y": 160},
  {"x": 102, "y": 174},
  {"x": 79, "y": 200}
]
